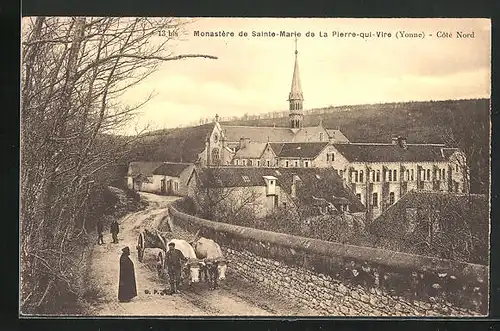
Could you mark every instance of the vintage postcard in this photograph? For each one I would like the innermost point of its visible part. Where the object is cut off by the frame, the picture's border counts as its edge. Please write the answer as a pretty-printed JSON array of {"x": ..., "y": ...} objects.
[{"x": 254, "y": 167}]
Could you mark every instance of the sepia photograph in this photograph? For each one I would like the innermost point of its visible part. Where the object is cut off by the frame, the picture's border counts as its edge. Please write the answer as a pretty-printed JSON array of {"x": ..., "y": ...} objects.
[{"x": 325, "y": 167}]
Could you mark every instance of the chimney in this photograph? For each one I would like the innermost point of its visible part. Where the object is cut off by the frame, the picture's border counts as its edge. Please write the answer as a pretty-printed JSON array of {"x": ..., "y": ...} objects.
[
  {"x": 399, "y": 141},
  {"x": 402, "y": 142}
]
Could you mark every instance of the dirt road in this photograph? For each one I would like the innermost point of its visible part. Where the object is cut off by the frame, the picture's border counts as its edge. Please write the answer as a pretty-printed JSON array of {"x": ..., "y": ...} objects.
[{"x": 232, "y": 298}]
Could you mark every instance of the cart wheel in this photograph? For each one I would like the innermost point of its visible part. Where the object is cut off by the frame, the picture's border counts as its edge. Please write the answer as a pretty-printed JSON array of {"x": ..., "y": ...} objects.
[{"x": 140, "y": 247}]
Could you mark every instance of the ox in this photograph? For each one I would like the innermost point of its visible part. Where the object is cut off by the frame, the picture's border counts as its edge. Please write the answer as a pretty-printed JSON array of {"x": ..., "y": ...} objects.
[
  {"x": 191, "y": 271},
  {"x": 214, "y": 264}
]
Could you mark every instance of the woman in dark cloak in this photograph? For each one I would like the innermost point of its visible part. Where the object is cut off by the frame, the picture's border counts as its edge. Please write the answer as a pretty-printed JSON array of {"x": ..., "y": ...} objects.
[{"x": 127, "y": 288}]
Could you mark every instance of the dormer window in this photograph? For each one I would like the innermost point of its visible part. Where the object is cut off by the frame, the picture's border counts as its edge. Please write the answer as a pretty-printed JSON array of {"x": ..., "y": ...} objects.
[
  {"x": 321, "y": 136},
  {"x": 270, "y": 185}
]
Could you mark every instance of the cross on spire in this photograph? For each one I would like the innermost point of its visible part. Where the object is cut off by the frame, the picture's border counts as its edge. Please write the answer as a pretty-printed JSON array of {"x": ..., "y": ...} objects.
[{"x": 296, "y": 45}]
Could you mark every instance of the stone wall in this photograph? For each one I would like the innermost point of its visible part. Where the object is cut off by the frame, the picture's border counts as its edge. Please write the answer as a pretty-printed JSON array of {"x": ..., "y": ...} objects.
[{"x": 343, "y": 279}]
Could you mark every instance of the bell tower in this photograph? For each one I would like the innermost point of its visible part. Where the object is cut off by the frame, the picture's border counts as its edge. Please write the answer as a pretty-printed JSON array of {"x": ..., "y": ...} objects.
[{"x": 295, "y": 97}]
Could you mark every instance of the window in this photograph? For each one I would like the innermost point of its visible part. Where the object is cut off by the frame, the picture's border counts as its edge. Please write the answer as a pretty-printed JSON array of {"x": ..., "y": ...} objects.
[
  {"x": 395, "y": 175},
  {"x": 321, "y": 136},
  {"x": 391, "y": 198},
  {"x": 358, "y": 195},
  {"x": 286, "y": 163},
  {"x": 443, "y": 173},
  {"x": 390, "y": 175},
  {"x": 456, "y": 167},
  {"x": 215, "y": 155},
  {"x": 250, "y": 163},
  {"x": 296, "y": 164},
  {"x": 176, "y": 186},
  {"x": 237, "y": 162},
  {"x": 341, "y": 173},
  {"x": 428, "y": 174},
  {"x": 407, "y": 174},
  {"x": 378, "y": 175},
  {"x": 306, "y": 164},
  {"x": 355, "y": 176},
  {"x": 271, "y": 182},
  {"x": 361, "y": 176},
  {"x": 258, "y": 163},
  {"x": 244, "y": 162},
  {"x": 375, "y": 200},
  {"x": 412, "y": 175},
  {"x": 268, "y": 163},
  {"x": 328, "y": 156},
  {"x": 373, "y": 175}
]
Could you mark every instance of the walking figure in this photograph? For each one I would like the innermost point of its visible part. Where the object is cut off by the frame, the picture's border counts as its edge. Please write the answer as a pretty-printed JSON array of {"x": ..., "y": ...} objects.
[
  {"x": 173, "y": 260},
  {"x": 127, "y": 288},
  {"x": 100, "y": 230},
  {"x": 114, "y": 229}
]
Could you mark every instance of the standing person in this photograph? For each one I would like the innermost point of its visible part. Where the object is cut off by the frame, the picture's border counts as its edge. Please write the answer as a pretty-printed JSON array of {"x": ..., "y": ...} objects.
[
  {"x": 114, "y": 229},
  {"x": 127, "y": 288},
  {"x": 100, "y": 230},
  {"x": 173, "y": 260}
]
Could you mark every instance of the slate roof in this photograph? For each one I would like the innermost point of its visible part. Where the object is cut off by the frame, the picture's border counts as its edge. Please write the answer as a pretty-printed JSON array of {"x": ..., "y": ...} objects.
[
  {"x": 358, "y": 152},
  {"x": 276, "y": 147},
  {"x": 257, "y": 133},
  {"x": 171, "y": 169},
  {"x": 251, "y": 151},
  {"x": 337, "y": 135},
  {"x": 302, "y": 150},
  {"x": 318, "y": 182},
  {"x": 142, "y": 168}
]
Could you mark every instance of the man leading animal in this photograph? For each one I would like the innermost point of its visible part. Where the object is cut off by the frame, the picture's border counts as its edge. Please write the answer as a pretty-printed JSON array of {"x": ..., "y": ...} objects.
[{"x": 173, "y": 261}]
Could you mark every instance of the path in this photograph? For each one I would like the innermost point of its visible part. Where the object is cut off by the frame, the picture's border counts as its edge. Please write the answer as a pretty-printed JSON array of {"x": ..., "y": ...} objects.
[{"x": 232, "y": 298}]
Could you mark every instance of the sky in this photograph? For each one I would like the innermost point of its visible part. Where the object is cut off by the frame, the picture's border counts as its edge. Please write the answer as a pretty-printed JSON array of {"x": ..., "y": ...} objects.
[{"x": 253, "y": 74}]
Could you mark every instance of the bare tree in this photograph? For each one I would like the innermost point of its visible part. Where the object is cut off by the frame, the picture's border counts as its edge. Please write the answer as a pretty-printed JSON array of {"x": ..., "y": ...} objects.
[
  {"x": 216, "y": 201},
  {"x": 74, "y": 71},
  {"x": 474, "y": 143},
  {"x": 451, "y": 229}
]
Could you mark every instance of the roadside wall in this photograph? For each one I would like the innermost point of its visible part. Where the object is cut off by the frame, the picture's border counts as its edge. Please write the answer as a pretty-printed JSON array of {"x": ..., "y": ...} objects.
[{"x": 348, "y": 280}]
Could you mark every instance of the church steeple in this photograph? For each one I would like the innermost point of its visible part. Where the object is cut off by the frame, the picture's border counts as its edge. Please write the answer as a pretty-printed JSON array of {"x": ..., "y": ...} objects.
[{"x": 295, "y": 98}]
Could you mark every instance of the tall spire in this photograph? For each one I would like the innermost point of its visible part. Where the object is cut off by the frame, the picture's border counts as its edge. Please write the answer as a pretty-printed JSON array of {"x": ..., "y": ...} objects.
[
  {"x": 295, "y": 98},
  {"x": 296, "y": 90}
]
